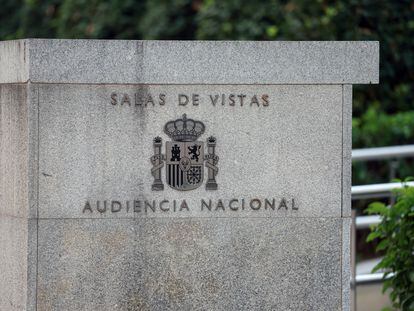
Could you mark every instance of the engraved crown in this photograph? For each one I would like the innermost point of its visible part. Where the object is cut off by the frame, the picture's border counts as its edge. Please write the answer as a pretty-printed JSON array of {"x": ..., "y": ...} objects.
[{"x": 184, "y": 129}]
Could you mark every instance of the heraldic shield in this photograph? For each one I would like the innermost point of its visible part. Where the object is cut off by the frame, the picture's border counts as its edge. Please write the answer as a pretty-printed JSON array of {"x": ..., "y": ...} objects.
[
  {"x": 184, "y": 164},
  {"x": 184, "y": 157}
]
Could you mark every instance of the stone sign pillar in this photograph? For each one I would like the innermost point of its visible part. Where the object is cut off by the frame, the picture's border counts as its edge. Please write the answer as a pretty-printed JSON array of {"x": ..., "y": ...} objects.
[{"x": 168, "y": 175}]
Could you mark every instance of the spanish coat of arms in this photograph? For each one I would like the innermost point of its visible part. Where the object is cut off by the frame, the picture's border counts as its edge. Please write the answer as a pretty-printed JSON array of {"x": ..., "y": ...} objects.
[{"x": 184, "y": 157}]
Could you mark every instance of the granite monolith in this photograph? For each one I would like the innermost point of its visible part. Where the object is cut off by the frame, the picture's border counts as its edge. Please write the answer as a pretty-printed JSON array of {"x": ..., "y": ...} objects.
[{"x": 177, "y": 175}]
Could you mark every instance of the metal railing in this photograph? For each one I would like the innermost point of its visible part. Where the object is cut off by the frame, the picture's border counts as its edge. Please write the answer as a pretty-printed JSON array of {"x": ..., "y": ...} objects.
[
  {"x": 370, "y": 278},
  {"x": 392, "y": 154},
  {"x": 376, "y": 190},
  {"x": 383, "y": 153}
]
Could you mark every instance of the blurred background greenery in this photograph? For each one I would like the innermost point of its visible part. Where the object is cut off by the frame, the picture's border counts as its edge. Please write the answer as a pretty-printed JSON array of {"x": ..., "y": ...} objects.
[{"x": 383, "y": 114}]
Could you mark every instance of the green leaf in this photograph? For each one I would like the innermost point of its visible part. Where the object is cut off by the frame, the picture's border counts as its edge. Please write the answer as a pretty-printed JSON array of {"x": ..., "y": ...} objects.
[
  {"x": 408, "y": 301},
  {"x": 411, "y": 276},
  {"x": 272, "y": 31},
  {"x": 377, "y": 208},
  {"x": 382, "y": 245},
  {"x": 373, "y": 235}
]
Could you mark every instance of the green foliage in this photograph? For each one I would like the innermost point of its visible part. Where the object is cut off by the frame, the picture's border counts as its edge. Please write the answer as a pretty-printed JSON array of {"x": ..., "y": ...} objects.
[
  {"x": 376, "y": 128},
  {"x": 99, "y": 19},
  {"x": 10, "y": 19},
  {"x": 383, "y": 114},
  {"x": 396, "y": 238}
]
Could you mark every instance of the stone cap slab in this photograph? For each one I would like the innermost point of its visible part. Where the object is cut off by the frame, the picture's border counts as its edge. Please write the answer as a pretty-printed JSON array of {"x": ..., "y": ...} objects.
[{"x": 189, "y": 62}]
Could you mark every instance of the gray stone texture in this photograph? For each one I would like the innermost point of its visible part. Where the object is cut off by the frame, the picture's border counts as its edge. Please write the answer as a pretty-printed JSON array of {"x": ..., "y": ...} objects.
[
  {"x": 14, "y": 61},
  {"x": 62, "y": 143},
  {"x": 190, "y": 264},
  {"x": 16, "y": 237},
  {"x": 346, "y": 264},
  {"x": 13, "y": 263},
  {"x": 14, "y": 150},
  {"x": 92, "y": 150},
  {"x": 189, "y": 62},
  {"x": 347, "y": 150}
]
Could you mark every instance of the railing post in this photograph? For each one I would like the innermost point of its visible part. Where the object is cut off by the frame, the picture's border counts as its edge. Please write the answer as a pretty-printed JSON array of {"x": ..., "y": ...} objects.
[{"x": 394, "y": 166}]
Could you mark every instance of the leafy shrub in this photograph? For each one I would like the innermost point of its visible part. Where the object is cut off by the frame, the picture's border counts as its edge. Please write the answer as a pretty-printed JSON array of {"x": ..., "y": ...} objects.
[
  {"x": 396, "y": 239},
  {"x": 375, "y": 128}
]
